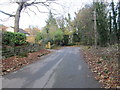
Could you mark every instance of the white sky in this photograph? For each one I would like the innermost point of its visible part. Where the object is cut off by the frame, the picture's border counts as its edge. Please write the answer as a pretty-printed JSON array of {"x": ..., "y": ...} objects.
[{"x": 71, "y": 6}]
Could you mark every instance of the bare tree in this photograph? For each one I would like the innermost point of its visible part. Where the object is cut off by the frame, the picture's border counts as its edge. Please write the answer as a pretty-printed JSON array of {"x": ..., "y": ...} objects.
[{"x": 23, "y": 4}]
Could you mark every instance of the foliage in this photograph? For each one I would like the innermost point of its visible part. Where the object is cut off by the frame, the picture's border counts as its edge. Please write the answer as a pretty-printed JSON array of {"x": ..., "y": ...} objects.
[
  {"x": 115, "y": 24},
  {"x": 51, "y": 20},
  {"x": 76, "y": 37},
  {"x": 65, "y": 39},
  {"x": 51, "y": 32},
  {"x": 58, "y": 36},
  {"x": 30, "y": 39},
  {"x": 102, "y": 26},
  {"x": 11, "y": 39},
  {"x": 38, "y": 37},
  {"x": 84, "y": 32},
  {"x": 20, "y": 50},
  {"x": 81, "y": 28},
  {"x": 32, "y": 30},
  {"x": 24, "y": 54},
  {"x": 107, "y": 25}
]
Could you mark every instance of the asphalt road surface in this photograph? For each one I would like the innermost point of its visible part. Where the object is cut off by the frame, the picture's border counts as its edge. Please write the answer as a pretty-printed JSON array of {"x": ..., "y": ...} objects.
[{"x": 64, "y": 68}]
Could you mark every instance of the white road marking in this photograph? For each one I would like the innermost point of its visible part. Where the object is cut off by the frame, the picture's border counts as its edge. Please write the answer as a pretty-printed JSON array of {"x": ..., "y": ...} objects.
[
  {"x": 79, "y": 67},
  {"x": 43, "y": 81},
  {"x": 51, "y": 81}
]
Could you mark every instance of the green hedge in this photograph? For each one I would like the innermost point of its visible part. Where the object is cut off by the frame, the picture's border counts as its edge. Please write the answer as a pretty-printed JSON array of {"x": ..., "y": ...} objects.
[{"x": 13, "y": 39}]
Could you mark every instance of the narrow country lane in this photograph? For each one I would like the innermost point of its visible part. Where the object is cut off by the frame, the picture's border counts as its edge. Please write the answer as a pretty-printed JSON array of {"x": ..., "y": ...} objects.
[{"x": 63, "y": 68}]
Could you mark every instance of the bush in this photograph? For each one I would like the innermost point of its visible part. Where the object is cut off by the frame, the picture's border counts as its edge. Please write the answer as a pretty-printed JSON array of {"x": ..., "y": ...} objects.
[
  {"x": 20, "y": 39},
  {"x": 65, "y": 39},
  {"x": 24, "y": 54},
  {"x": 38, "y": 37},
  {"x": 11, "y": 39},
  {"x": 70, "y": 44},
  {"x": 21, "y": 51}
]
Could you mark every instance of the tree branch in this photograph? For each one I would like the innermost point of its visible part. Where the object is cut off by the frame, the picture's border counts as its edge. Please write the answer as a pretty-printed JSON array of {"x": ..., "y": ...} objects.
[
  {"x": 7, "y": 13},
  {"x": 27, "y": 13},
  {"x": 5, "y": 19},
  {"x": 33, "y": 3},
  {"x": 46, "y": 3},
  {"x": 32, "y": 11},
  {"x": 39, "y": 10}
]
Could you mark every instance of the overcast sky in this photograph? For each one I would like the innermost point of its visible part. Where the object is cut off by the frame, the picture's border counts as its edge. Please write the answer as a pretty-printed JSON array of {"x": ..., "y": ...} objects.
[{"x": 70, "y": 6}]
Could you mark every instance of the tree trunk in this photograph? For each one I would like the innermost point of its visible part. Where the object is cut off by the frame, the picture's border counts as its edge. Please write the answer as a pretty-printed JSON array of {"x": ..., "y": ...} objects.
[
  {"x": 110, "y": 28},
  {"x": 114, "y": 21},
  {"x": 119, "y": 28},
  {"x": 17, "y": 17},
  {"x": 95, "y": 28}
]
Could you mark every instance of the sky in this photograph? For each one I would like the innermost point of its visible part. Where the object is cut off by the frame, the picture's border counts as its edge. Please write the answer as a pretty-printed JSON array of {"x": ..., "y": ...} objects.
[{"x": 30, "y": 19}]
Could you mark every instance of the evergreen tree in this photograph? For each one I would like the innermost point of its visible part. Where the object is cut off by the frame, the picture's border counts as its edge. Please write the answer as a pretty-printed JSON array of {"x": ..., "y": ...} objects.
[{"x": 102, "y": 27}]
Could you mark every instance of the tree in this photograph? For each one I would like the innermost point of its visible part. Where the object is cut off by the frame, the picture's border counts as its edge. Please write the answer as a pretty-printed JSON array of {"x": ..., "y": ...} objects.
[
  {"x": 61, "y": 23},
  {"x": 51, "y": 20},
  {"x": 110, "y": 28},
  {"x": 69, "y": 27},
  {"x": 119, "y": 23},
  {"x": 50, "y": 29},
  {"x": 23, "y": 4},
  {"x": 102, "y": 23},
  {"x": 114, "y": 12},
  {"x": 38, "y": 37},
  {"x": 58, "y": 36},
  {"x": 84, "y": 25},
  {"x": 114, "y": 16}
]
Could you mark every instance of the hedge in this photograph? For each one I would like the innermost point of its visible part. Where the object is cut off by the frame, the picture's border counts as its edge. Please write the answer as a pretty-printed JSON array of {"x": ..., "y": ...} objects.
[
  {"x": 13, "y": 38},
  {"x": 14, "y": 44}
]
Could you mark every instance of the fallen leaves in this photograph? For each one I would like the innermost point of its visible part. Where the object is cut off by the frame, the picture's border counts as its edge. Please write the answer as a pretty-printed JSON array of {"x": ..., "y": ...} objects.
[
  {"x": 103, "y": 62},
  {"x": 14, "y": 63}
]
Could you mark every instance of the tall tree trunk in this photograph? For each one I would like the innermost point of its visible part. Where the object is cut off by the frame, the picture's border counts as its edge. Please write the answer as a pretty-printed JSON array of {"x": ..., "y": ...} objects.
[
  {"x": 17, "y": 17},
  {"x": 110, "y": 28},
  {"x": 119, "y": 22},
  {"x": 114, "y": 20},
  {"x": 95, "y": 28}
]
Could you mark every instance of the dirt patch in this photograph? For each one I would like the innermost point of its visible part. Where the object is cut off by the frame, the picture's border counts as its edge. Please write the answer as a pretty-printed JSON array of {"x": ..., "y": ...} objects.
[
  {"x": 103, "y": 62},
  {"x": 16, "y": 62}
]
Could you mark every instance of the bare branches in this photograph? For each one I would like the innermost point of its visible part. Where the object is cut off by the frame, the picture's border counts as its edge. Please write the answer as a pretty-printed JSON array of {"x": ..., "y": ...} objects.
[
  {"x": 7, "y": 13},
  {"x": 31, "y": 10},
  {"x": 25, "y": 4},
  {"x": 5, "y": 19},
  {"x": 27, "y": 13},
  {"x": 33, "y": 3},
  {"x": 45, "y": 3},
  {"x": 39, "y": 10}
]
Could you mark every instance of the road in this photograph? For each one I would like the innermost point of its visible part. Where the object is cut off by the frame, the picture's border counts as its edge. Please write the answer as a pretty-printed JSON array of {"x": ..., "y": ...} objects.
[{"x": 64, "y": 68}]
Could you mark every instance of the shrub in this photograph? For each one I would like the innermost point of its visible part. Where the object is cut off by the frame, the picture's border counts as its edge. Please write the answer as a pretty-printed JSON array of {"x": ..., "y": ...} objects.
[
  {"x": 20, "y": 39},
  {"x": 38, "y": 37},
  {"x": 24, "y": 54},
  {"x": 11, "y": 39},
  {"x": 21, "y": 51},
  {"x": 65, "y": 39}
]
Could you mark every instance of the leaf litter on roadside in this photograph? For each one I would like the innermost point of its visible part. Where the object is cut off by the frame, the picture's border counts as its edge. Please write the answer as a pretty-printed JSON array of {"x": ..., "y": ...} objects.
[
  {"x": 103, "y": 62},
  {"x": 16, "y": 62}
]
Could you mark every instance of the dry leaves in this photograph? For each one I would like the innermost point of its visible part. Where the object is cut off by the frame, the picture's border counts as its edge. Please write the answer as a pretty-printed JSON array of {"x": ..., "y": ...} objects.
[
  {"x": 103, "y": 63},
  {"x": 15, "y": 62}
]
